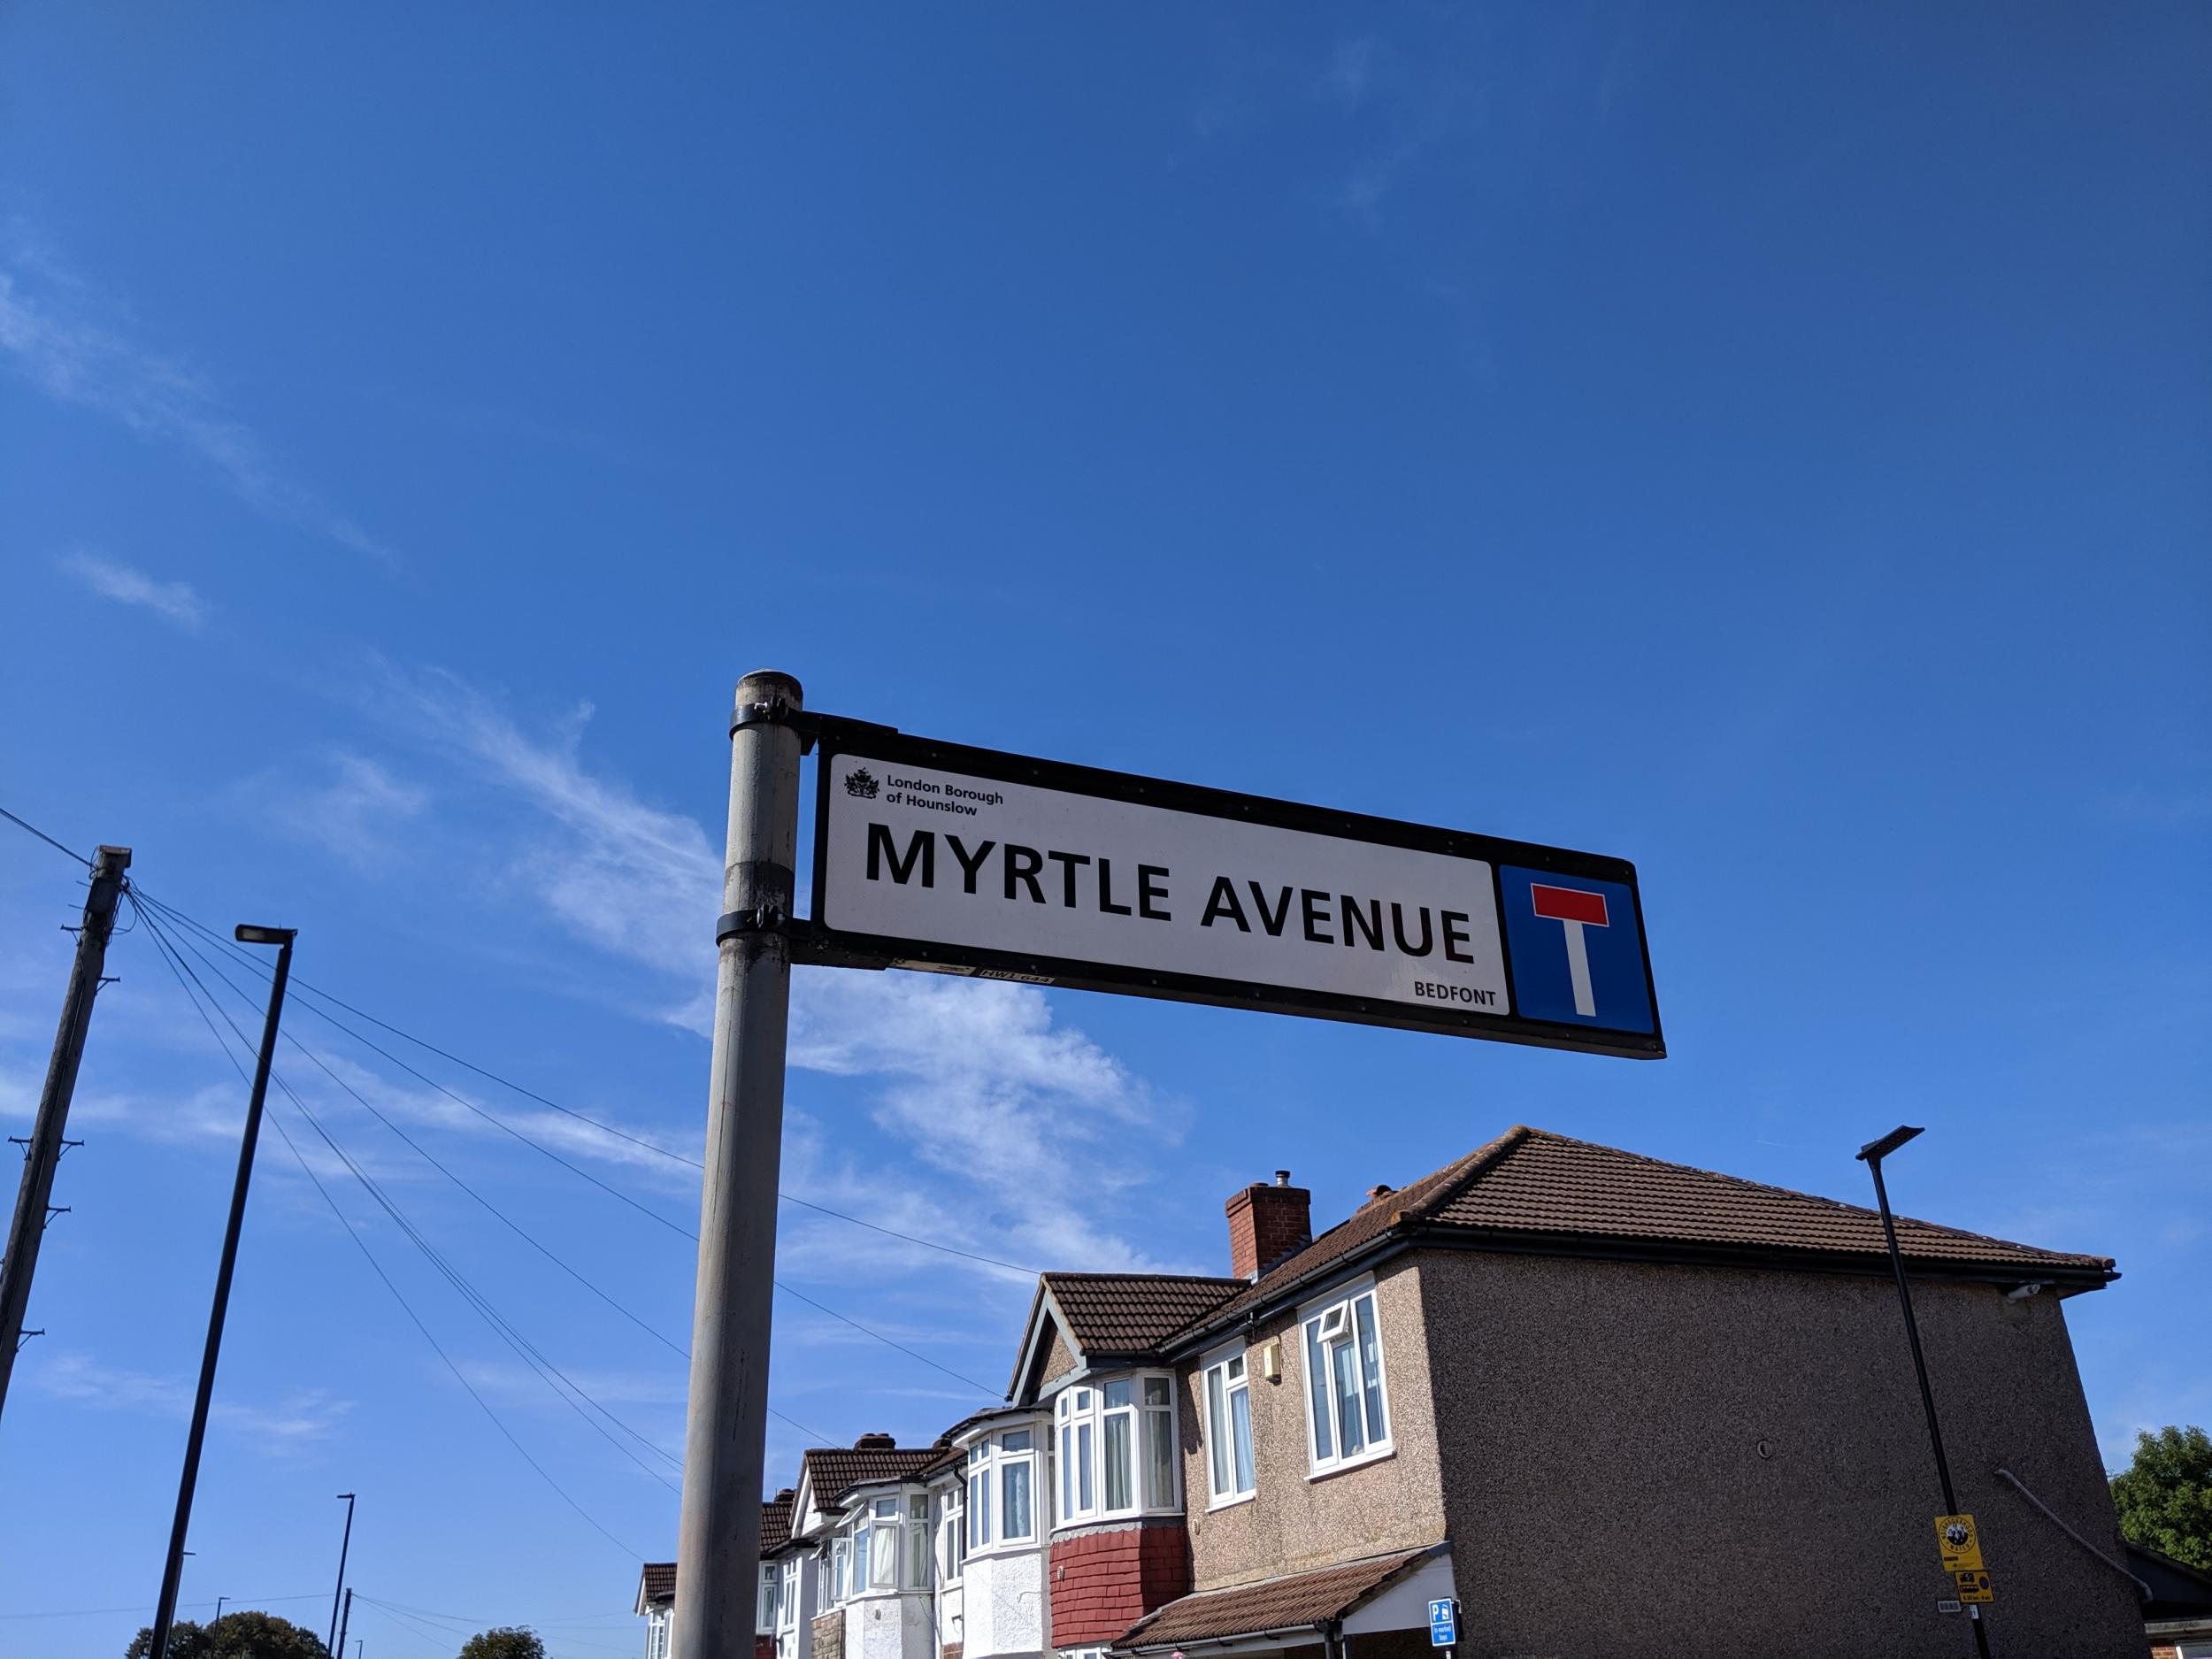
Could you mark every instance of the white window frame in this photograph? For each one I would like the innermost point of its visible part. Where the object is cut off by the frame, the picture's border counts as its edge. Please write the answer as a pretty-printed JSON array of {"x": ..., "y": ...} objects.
[
  {"x": 1229, "y": 1370},
  {"x": 952, "y": 1533},
  {"x": 656, "y": 1624},
  {"x": 1079, "y": 1415},
  {"x": 991, "y": 1465},
  {"x": 1338, "y": 1313},
  {"x": 787, "y": 1596}
]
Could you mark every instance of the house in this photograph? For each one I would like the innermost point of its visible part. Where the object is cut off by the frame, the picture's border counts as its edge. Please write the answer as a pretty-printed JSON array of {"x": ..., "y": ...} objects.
[
  {"x": 2176, "y": 1604},
  {"x": 1609, "y": 1404}
]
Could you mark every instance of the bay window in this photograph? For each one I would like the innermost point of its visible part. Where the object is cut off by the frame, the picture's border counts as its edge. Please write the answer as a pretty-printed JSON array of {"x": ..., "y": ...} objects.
[
  {"x": 1117, "y": 1448},
  {"x": 1001, "y": 1488},
  {"x": 1229, "y": 1429},
  {"x": 1348, "y": 1409}
]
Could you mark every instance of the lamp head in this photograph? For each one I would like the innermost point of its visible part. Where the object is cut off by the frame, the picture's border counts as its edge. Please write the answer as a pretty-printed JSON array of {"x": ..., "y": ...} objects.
[
  {"x": 249, "y": 934},
  {"x": 1875, "y": 1151}
]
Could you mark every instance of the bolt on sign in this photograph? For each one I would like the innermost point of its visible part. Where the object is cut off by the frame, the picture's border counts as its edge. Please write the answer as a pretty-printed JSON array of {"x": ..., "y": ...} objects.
[
  {"x": 1958, "y": 1543},
  {"x": 970, "y": 860}
]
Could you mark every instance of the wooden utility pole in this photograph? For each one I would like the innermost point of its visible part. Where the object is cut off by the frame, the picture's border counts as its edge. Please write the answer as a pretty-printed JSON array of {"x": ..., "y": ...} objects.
[{"x": 44, "y": 1149}]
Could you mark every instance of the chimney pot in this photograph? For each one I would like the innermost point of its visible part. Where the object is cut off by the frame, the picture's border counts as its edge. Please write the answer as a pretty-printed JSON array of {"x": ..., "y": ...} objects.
[
  {"x": 875, "y": 1441},
  {"x": 1282, "y": 1178}
]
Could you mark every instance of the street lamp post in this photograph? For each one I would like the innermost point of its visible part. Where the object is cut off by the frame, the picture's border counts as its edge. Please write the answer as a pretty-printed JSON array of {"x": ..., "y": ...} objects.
[
  {"x": 1872, "y": 1154},
  {"x": 172, "y": 1565},
  {"x": 344, "y": 1543}
]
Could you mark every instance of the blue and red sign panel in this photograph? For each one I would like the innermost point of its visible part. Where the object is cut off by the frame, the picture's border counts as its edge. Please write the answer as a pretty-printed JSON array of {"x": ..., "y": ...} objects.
[{"x": 1576, "y": 950}]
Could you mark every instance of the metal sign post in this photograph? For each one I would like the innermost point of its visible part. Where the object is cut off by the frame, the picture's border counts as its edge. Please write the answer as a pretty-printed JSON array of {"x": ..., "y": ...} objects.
[{"x": 717, "y": 1538}]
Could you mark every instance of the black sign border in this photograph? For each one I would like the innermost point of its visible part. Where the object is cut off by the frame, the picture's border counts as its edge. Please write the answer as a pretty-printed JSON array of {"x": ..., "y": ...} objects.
[{"x": 814, "y": 943}]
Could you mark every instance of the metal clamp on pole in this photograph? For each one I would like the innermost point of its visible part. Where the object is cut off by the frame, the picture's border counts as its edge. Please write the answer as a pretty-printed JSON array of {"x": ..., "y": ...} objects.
[
  {"x": 769, "y": 919},
  {"x": 776, "y": 708}
]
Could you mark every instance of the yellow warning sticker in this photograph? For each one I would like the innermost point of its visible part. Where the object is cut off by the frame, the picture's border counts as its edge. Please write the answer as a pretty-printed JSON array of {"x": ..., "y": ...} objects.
[
  {"x": 1974, "y": 1585},
  {"x": 1959, "y": 1544}
]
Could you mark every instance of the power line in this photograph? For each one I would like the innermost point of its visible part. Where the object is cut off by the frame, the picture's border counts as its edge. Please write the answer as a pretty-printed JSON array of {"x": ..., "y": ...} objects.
[
  {"x": 142, "y": 902},
  {"x": 43, "y": 835},
  {"x": 529, "y": 1094},
  {"x": 502, "y": 1326},
  {"x": 983, "y": 1388},
  {"x": 183, "y": 970},
  {"x": 243, "y": 1602},
  {"x": 476, "y": 1298}
]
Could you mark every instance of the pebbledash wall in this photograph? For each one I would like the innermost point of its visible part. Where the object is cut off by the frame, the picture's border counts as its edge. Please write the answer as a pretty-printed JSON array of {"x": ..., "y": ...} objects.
[
  {"x": 1293, "y": 1521},
  {"x": 1672, "y": 1459}
]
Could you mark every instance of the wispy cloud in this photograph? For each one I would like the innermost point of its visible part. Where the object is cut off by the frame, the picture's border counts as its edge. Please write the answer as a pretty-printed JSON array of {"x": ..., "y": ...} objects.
[
  {"x": 285, "y": 1427},
  {"x": 978, "y": 1081},
  {"x": 58, "y": 338},
  {"x": 355, "y": 811},
  {"x": 173, "y": 602}
]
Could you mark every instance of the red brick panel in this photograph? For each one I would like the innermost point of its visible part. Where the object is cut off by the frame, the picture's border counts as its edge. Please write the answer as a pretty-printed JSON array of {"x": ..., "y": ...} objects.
[
  {"x": 1104, "y": 1582},
  {"x": 1266, "y": 1225}
]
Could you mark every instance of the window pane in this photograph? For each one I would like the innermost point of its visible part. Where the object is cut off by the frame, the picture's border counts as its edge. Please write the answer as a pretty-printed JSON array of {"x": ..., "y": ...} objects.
[
  {"x": 1370, "y": 1368},
  {"x": 1218, "y": 1434},
  {"x": 1119, "y": 1494},
  {"x": 1159, "y": 1460},
  {"x": 1240, "y": 1436},
  {"x": 1067, "y": 1474},
  {"x": 859, "y": 1564},
  {"x": 1120, "y": 1394},
  {"x": 1349, "y": 1436},
  {"x": 978, "y": 1512},
  {"x": 883, "y": 1560},
  {"x": 1155, "y": 1391},
  {"x": 1016, "y": 1510},
  {"x": 1086, "y": 1496},
  {"x": 1318, "y": 1391},
  {"x": 888, "y": 1509},
  {"x": 918, "y": 1554},
  {"x": 917, "y": 1507},
  {"x": 1018, "y": 1441},
  {"x": 1236, "y": 1369}
]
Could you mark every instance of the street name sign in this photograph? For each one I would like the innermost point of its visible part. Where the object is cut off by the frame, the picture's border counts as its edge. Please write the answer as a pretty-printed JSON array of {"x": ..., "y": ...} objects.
[{"x": 974, "y": 861}]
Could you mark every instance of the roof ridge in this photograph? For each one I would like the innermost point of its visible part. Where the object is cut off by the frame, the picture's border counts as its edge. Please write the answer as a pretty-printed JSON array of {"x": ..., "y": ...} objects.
[
  {"x": 1792, "y": 1192},
  {"x": 1178, "y": 1279}
]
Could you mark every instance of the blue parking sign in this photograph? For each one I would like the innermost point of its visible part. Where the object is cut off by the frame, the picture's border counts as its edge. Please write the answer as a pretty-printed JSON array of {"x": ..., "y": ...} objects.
[{"x": 1443, "y": 1623}]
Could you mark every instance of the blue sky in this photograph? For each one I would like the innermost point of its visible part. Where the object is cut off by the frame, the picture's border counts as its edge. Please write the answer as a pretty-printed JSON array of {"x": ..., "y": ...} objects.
[{"x": 1768, "y": 445}]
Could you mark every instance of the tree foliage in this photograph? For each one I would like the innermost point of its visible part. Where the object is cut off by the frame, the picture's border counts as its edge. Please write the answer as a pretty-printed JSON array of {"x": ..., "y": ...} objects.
[
  {"x": 2164, "y": 1497},
  {"x": 245, "y": 1634},
  {"x": 517, "y": 1642}
]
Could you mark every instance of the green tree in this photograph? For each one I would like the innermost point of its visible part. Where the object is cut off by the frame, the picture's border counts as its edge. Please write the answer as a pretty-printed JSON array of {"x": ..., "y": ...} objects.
[
  {"x": 245, "y": 1634},
  {"x": 2164, "y": 1497},
  {"x": 517, "y": 1642}
]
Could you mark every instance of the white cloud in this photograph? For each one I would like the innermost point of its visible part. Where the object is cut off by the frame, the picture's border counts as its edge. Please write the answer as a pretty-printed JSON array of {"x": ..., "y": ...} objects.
[
  {"x": 52, "y": 339},
  {"x": 1036, "y": 1124},
  {"x": 356, "y": 812},
  {"x": 173, "y": 602},
  {"x": 283, "y": 1427}
]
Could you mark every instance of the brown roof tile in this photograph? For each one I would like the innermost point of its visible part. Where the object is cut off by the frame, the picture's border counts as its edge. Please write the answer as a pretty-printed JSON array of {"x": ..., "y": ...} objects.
[
  {"x": 775, "y": 1521},
  {"x": 656, "y": 1583},
  {"x": 1296, "y": 1602},
  {"x": 1132, "y": 1313},
  {"x": 839, "y": 1469},
  {"x": 1530, "y": 1181}
]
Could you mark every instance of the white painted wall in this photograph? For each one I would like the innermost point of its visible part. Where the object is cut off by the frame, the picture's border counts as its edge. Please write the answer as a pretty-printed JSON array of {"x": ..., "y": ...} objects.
[{"x": 1003, "y": 1604}]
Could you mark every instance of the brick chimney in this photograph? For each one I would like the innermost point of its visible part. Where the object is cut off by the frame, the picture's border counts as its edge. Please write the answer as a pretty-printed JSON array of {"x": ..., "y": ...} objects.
[
  {"x": 1266, "y": 1224},
  {"x": 875, "y": 1443}
]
